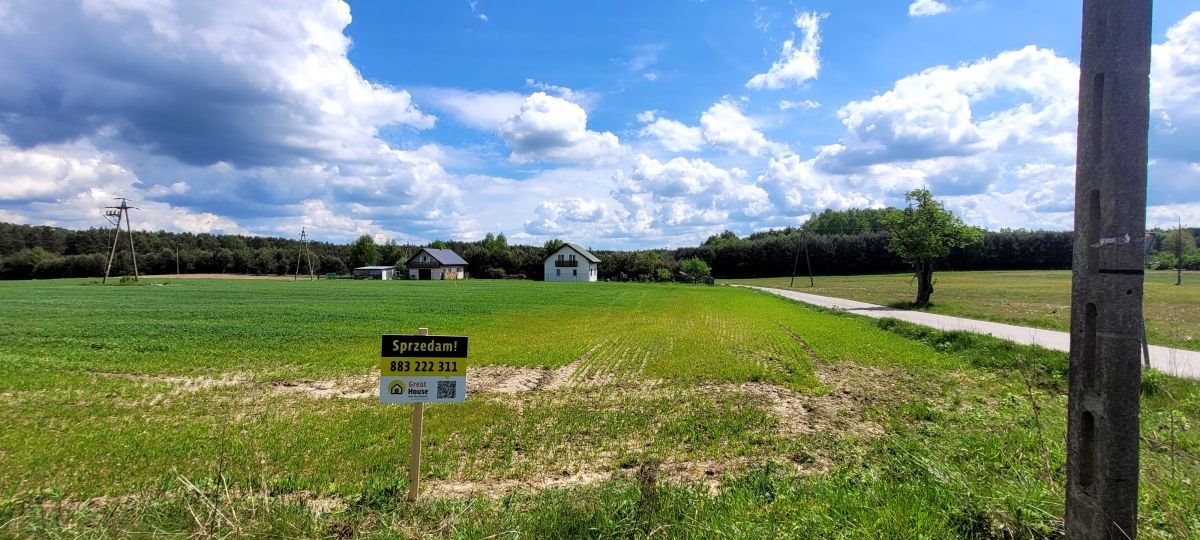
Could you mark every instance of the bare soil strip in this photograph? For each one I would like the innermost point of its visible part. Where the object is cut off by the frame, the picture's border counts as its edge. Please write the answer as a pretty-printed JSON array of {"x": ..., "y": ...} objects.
[
  {"x": 350, "y": 388},
  {"x": 184, "y": 384}
]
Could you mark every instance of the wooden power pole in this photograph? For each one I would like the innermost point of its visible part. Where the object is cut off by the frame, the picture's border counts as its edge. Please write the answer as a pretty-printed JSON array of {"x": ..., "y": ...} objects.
[
  {"x": 1108, "y": 270},
  {"x": 304, "y": 254},
  {"x": 115, "y": 214},
  {"x": 1179, "y": 253}
]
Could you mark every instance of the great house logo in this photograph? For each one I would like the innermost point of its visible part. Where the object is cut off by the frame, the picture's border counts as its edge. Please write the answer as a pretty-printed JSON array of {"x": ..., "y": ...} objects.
[{"x": 418, "y": 388}]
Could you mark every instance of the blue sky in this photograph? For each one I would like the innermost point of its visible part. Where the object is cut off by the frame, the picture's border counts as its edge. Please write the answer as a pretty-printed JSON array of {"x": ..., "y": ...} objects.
[{"x": 616, "y": 125}]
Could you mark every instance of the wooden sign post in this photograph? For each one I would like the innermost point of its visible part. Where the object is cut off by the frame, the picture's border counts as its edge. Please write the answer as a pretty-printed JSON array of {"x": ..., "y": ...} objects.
[
  {"x": 414, "y": 458},
  {"x": 408, "y": 375}
]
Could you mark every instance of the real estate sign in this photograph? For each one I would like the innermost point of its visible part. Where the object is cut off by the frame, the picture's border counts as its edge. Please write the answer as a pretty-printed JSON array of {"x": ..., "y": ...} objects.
[{"x": 423, "y": 369}]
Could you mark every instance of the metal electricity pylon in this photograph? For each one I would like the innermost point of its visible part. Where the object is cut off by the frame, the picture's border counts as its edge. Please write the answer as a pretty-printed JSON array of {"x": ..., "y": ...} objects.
[{"x": 114, "y": 215}]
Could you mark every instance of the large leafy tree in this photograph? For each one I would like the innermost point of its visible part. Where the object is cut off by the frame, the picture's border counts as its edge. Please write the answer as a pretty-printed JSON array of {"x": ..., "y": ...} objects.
[
  {"x": 364, "y": 252},
  {"x": 552, "y": 245},
  {"x": 695, "y": 268},
  {"x": 925, "y": 233},
  {"x": 851, "y": 221},
  {"x": 725, "y": 238}
]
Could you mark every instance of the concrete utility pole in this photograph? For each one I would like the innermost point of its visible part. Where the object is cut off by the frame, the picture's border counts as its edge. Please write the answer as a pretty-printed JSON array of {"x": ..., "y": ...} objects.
[{"x": 1107, "y": 276}]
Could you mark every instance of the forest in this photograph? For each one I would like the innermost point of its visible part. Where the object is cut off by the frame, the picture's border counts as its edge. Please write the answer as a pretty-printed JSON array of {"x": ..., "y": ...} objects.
[{"x": 832, "y": 242}]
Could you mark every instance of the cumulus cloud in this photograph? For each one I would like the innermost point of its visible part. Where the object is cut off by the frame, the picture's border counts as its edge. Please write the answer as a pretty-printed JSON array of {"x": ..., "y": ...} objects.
[
  {"x": 673, "y": 135},
  {"x": 796, "y": 64},
  {"x": 796, "y": 188},
  {"x": 1174, "y": 69},
  {"x": 200, "y": 82},
  {"x": 549, "y": 128},
  {"x": 583, "y": 98},
  {"x": 218, "y": 115},
  {"x": 926, "y": 8},
  {"x": 931, "y": 114},
  {"x": 1175, "y": 116},
  {"x": 685, "y": 194},
  {"x": 725, "y": 126},
  {"x": 69, "y": 184},
  {"x": 483, "y": 110},
  {"x": 571, "y": 216}
]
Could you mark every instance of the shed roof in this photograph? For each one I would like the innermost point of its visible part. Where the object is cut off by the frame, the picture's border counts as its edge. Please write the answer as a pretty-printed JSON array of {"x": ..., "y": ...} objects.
[
  {"x": 443, "y": 256},
  {"x": 376, "y": 268},
  {"x": 582, "y": 252}
]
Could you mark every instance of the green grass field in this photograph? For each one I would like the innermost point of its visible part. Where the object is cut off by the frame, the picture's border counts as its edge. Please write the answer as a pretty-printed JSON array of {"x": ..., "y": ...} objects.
[
  {"x": 247, "y": 408},
  {"x": 1041, "y": 299}
]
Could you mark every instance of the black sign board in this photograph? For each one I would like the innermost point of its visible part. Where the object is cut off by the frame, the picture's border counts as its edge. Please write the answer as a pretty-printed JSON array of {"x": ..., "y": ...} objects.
[{"x": 418, "y": 346}]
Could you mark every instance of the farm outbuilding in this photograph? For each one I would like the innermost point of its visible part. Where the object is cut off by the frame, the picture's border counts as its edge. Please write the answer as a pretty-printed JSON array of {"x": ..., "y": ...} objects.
[
  {"x": 431, "y": 263},
  {"x": 572, "y": 263},
  {"x": 375, "y": 272}
]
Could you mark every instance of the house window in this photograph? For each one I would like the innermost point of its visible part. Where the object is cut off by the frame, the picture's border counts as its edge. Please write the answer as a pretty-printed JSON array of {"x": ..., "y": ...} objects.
[
  {"x": 574, "y": 272},
  {"x": 558, "y": 271}
]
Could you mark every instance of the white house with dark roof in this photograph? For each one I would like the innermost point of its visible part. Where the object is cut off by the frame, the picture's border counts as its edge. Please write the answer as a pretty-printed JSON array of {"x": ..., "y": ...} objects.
[
  {"x": 430, "y": 263},
  {"x": 572, "y": 263}
]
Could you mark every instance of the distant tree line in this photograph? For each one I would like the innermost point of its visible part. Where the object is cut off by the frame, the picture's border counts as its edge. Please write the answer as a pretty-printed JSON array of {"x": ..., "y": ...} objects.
[
  {"x": 776, "y": 253},
  {"x": 846, "y": 242},
  {"x": 51, "y": 252}
]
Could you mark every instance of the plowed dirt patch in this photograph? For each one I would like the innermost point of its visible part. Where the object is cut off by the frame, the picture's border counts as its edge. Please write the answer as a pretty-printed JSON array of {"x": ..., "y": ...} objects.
[
  {"x": 348, "y": 388},
  {"x": 186, "y": 384}
]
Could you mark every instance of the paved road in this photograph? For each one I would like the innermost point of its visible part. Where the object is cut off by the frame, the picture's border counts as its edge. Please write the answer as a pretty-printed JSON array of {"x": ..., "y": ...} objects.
[{"x": 1172, "y": 361}]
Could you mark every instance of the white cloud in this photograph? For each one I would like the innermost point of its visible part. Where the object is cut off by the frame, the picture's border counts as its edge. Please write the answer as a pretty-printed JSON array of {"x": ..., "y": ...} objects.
[
  {"x": 796, "y": 188},
  {"x": 645, "y": 56},
  {"x": 217, "y": 117},
  {"x": 1176, "y": 79},
  {"x": 584, "y": 99},
  {"x": 785, "y": 105},
  {"x": 683, "y": 195},
  {"x": 1168, "y": 216},
  {"x": 1174, "y": 95},
  {"x": 796, "y": 64},
  {"x": 70, "y": 184},
  {"x": 926, "y": 8},
  {"x": 725, "y": 126},
  {"x": 673, "y": 135},
  {"x": 8, "y": 216},
  {"x": 573, "y": 217},
  {"x": 200, "y": 82},
  {"x": 54, "y": 171},
  {"x": 475, "y": 9},
  {"x": 932, "y": 114},
  {"x": 484, "y": 111},
  {"x": 553, "y": 129},
  {"x": 178, "y": 188}
]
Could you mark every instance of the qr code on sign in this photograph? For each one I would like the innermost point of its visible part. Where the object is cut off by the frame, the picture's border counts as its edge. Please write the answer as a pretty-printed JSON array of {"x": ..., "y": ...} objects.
[{"x": 447, "y": 389}]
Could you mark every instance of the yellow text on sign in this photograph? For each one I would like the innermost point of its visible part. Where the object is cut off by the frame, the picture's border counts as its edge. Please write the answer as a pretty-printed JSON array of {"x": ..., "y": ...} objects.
[{"x": 408, "y": 367}]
